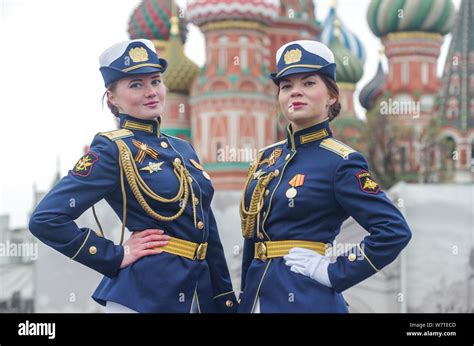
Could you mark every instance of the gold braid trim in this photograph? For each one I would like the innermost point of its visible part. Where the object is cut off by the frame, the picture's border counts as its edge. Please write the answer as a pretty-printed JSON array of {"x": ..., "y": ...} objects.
[
  {"x": 124, "y": 202},
  {"x": 243, "y": 217},
  {"x": 251, "y": 215},
  {"x": 125, "y": 157},
  {"x": 129, "y": 169}
]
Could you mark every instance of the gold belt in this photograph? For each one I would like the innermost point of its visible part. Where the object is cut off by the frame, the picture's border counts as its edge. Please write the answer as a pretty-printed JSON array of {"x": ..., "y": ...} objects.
[
  {"x": 184, "y": 248},
  {"x": 280, "y": 248}
]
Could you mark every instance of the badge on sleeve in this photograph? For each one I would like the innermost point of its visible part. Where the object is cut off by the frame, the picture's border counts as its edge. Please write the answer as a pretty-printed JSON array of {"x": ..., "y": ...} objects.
[
  {"x": 366, "y": 183},
  {"x": 84, "y": 166}
]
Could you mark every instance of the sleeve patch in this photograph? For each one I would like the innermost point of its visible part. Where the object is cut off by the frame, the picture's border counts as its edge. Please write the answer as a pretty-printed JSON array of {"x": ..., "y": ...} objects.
[
  {"x": 83, "y": 167},
  {"x": 367, "y": 183}
]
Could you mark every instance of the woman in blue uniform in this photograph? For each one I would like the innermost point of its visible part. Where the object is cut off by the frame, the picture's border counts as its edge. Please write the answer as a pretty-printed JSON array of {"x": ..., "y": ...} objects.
[
  {"x": 173, "y": 260},
  {"x": 298, "y": 193}
]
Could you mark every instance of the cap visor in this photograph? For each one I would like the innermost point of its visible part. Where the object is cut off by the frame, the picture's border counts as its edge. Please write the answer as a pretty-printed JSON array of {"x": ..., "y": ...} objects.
[{"x": 291, "y": 71}]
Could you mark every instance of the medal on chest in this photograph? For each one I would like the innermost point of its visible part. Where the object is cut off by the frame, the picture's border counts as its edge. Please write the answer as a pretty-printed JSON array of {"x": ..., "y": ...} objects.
[
  {"x": 143, "y": 151},
  {"x": 152, "y": 167},
  {"x": 296, "y": 181}
]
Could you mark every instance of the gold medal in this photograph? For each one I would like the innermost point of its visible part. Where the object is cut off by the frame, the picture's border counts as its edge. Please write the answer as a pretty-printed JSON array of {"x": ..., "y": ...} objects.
[{"x": 291, "y": 193}]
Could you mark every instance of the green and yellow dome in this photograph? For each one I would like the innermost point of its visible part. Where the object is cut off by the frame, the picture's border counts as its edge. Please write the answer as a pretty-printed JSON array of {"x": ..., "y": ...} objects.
[
  {"x": 349, "y": 68},
  {"x": 181, "y": 70}
]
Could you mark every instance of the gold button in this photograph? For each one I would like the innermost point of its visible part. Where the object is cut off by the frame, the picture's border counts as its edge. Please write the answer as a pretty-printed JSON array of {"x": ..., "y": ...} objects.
[
  {"x": 164, "y": 145},
  {"x": 196, "y": 201},
  {"x": 92, "y": 250},
  {"x": 287, "y": 157},
  {"x": 200, "y": 225},
  {"x": 277, "y": 172},
  {"x": 177, "y": 160},
  {"x": 352, "y": 257},
  {"x": 190, "y": 179},
  {"x": 267, "y": 192},
  {"x": 229, "y": 303}
]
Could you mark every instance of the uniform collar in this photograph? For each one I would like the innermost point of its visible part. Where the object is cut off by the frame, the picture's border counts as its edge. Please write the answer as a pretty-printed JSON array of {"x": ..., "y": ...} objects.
[
  {"x": 135, "y": 124},
  {"x": 310, "y": 134}
]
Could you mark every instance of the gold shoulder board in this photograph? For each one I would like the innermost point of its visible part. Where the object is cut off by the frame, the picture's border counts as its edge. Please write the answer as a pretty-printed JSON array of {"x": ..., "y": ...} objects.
[
  {"x": 117, "y": 134},
  {"x": 336, "y": 147}
]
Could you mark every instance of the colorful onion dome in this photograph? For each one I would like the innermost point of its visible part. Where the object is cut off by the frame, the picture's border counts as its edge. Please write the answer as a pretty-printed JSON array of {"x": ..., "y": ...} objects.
[
  {"x": 204, "y": 11},
  {"x": 349, "y": 68},
  {"x": 150, "y": 20},
  {"x": 181, "y": 71},
  {"x": 435, "y": 16},
  {"x": 349, "y": 40},
  {"x": 372, "y": 91}
]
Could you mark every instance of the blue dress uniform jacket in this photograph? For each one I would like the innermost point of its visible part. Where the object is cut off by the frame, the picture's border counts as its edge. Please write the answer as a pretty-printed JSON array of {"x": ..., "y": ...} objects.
[
  {"x": 336, "y": 185},
  {"x": 157, "y": 283}
]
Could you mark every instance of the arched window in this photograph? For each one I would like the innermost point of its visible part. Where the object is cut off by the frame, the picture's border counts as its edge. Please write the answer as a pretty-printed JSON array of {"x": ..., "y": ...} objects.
[
  {"x": 426, "y": 103},
  {"x": 452, "y": 108},
  {"x": 405, "y": 73},
  {"x": 424, "y": 73},
  {"x": 453, "y": 113},
  {"x": 454, "y": 85},
  {"x": 223, "y": 53},
  {"x": 244, "y": 60}
]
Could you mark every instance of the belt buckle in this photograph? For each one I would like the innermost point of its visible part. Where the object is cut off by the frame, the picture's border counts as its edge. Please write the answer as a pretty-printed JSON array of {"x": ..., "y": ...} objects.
[
  {"x": 201, "y": 251},
  {"x": 262, "y": 251}
]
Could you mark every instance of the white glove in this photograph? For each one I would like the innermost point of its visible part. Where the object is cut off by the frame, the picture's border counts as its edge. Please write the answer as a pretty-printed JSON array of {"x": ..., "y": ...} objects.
[{"x": 309, "y": 263}]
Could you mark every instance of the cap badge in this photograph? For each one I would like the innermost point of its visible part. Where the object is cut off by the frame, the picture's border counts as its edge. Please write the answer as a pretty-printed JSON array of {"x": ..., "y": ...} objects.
[
  {"x": 138, "y": 54},
  {"x": 292, "y": 56}
]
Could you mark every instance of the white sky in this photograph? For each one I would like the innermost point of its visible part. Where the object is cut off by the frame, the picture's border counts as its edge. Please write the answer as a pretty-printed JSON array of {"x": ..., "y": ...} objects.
[{"x": 51, "y": 88}]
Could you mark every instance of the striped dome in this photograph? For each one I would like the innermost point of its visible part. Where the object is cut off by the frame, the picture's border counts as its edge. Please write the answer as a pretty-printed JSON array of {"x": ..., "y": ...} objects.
[
  {"x": 204, "y": 11},
  {"x": 150, "y": 20},
  {"x": 349, "y": 69},
  {"x": 350, "y": 41},
  {"x": 410, "y": 15},
  {"x": 372, "y": 91}
]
